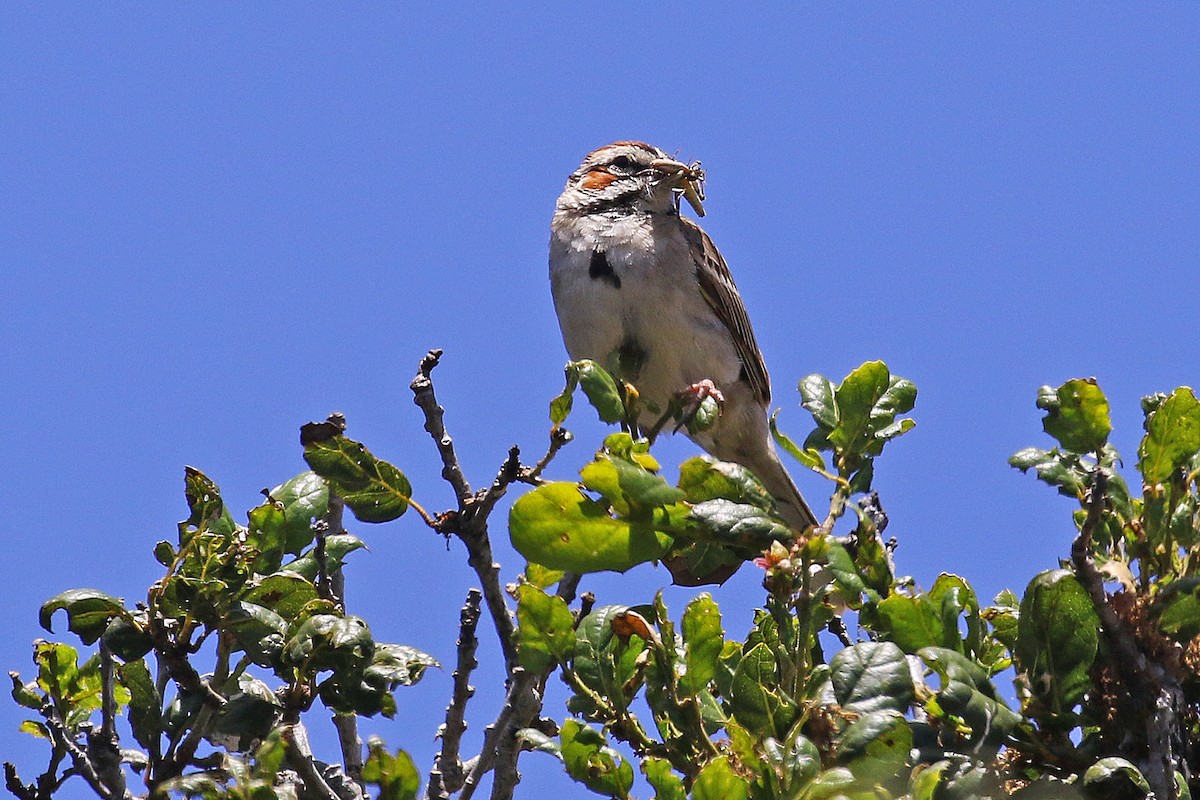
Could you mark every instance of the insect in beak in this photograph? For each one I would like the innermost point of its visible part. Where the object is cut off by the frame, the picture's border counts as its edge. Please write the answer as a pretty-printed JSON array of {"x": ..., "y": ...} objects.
[{"x": 689, "y": 177}]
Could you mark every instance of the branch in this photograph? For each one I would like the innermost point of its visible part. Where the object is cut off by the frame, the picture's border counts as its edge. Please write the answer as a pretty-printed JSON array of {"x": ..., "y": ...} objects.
[
  {"x": 300, "y": 758},
  {"x": 470, "y": 523},
  {"x": 1152, "y": 695},
  {"x": 521, "y": 688},
  {"x": 334, "y": 585},
  {"x": 423, "y": 396},
  {"x": 80, "y": 760},
  {"x": 446, "y": 777}
]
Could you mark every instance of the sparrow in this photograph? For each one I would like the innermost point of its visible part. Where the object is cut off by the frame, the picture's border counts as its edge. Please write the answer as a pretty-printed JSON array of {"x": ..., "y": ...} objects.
[{"x": 644, "y": 292}]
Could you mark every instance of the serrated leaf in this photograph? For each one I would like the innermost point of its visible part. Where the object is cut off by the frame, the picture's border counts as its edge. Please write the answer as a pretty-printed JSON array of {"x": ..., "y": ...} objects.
[
  {"x": 738, "y": 524},
  {"x": 1076, "y": 415},
  {"x": 753, "y": 701},
  {"x": 286, "y": 593},
  {"x": 1172, "y": 436},
  {"x": 705, "y": 478},
  {"x": 328, "y": 642},
  {"x": 810, "y": 457},
  {"x": 1061, "y": 470},
  {"x": 629, "y": 487},
  {"x": 305, "y": 499},
  {"x": 875, "y": 747}
]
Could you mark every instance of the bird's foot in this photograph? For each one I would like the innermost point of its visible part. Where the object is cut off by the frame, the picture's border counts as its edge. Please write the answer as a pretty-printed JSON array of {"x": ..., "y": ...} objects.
[{"x": 694, "y": 400}]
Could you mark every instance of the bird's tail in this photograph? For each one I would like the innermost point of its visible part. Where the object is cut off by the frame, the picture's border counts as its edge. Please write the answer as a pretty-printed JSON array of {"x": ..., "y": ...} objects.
[{"x": 790, "y": 503}]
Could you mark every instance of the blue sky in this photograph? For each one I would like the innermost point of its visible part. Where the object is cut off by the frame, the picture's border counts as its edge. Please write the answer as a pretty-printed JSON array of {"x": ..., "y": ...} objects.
[{"x": 220, "y": 221}]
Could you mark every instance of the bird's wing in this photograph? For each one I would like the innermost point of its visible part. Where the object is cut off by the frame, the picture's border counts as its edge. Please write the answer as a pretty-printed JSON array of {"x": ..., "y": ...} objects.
[{"x": 716, "y": 284}]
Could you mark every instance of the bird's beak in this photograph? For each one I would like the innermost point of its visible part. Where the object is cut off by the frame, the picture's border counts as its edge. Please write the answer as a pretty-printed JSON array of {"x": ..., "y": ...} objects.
[{"x": 689, "y": 180}]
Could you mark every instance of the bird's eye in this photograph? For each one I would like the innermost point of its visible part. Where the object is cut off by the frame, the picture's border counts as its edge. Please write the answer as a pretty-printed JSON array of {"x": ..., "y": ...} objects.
[{"x": 624, "y": 163}]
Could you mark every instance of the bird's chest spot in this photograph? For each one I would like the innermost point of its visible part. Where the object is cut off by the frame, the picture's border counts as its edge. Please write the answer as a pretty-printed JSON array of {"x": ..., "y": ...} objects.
[{"x": 599, "y": 269}]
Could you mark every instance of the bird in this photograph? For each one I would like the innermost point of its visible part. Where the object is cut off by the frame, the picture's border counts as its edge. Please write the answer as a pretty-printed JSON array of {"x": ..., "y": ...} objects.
[{"x": 642, "y": 289}]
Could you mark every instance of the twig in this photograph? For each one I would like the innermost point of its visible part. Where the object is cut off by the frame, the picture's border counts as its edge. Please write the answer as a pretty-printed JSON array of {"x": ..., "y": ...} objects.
[
  {"x": 80, "y": 761},
  {"x": 447, "y": 774},
  {"x": 1152, "y": 695},
  {"x": 470, "y": 523},
  {"x": 520, "y": 688},
  {"x": 558, "y": 439},
  {"x": 423, "y": 396}
]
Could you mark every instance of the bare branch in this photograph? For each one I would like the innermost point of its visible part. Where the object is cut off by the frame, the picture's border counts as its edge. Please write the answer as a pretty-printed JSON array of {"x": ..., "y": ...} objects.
[
  {"x": 520, "y": 706},
  {"x": 470, "y": 523},
  {"x": 447, "y": 774},
  {"x": 300, "y": 758},
  {"x": 423, "y": 396},
  {"x": 558, "y": 439}
]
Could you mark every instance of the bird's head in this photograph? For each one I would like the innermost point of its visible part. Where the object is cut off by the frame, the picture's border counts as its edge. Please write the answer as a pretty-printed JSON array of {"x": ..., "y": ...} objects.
[{"x": 632, "y": 176}]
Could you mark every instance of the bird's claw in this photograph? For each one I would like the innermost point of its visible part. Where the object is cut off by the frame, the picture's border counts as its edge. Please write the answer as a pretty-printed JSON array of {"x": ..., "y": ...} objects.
[{"x": 692, "y": 399}]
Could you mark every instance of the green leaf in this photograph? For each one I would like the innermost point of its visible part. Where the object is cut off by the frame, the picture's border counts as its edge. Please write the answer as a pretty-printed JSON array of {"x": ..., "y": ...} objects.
[
  {"x": 145, "y": 705},
  {"x": 366, "y": 689},
  {"x": 559, "y": 527},
  {"x": 718, "y": 781},
  {"x": 1061, "y": 470},
  {"x": 601, "y": 391},
  {"x": 872, "y": 676},
  {"x": 1172, "y": 436},
  {"x": 592, "y": 762},
  {"x": 1058, "y": 633},
  {"x": 667, "y": 785},
  {"x": 810, "y": 457},
  {"x": 1076, "y": 415},
  {"x": 875, "y": 747},
  {"x": 328, "y": 642},
  {"x": 817, "y": 397},
  {"x": 910, "y": 622},
  {"x": 208, "y": 511},
  {"x": 705, "y": 478},
  {"x": 337, "y": 547},
  {"x": 373, "y": 489},
  {"x": 630, "y": 487},
  {"x": 1115, "y": 777},
  {"x": 25, "y": 694},
  {"x": 1178, "y": 609},
  {"x": 868, "y": 400},
  {"x": 305, "y": 499},
  {"x": 257, "y": 630},
  {"x": 396, "y": 776},
  {"x": 88, "y": 612},
  {"x": 286, "y": 593},
  {"x": 127, "y": 639},
  {"x": 738, "y": 524},
  {"x": 705, "y": 639},
  {"x": 250, "y": 714},
  {"x": 541, "y": 577},
  {"x": 545, "y": 629},
  {"x": 753, "y": 700}
]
